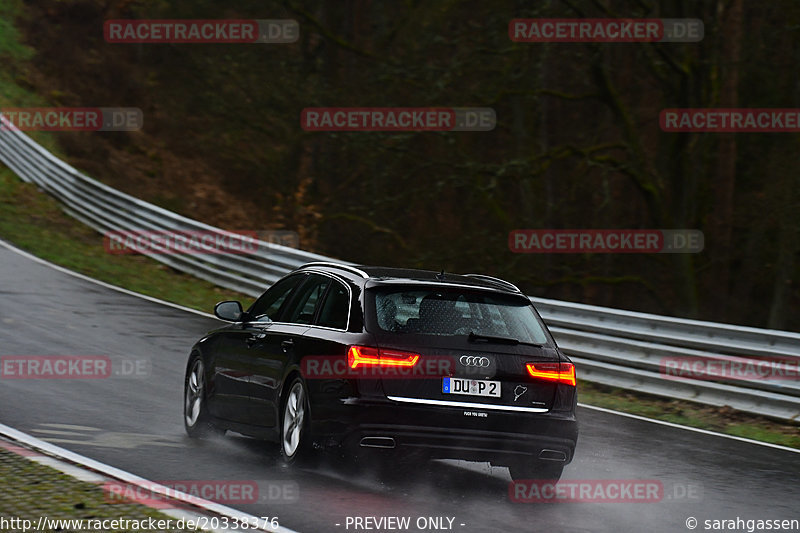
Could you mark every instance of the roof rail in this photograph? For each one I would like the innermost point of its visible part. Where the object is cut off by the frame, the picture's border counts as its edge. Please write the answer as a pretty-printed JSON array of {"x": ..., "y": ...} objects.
[
  {"x": 496, "y": 281},
  {"x": 338, "y": 265}
]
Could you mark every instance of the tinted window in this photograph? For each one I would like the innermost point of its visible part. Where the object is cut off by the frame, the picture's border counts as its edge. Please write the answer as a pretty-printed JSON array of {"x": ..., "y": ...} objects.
[
  {"x": 268, "y": 306},
  {"x": 453, "y": 312},
  {"x": 308, "y": 296},
  {"x": 334, "y": 310}
]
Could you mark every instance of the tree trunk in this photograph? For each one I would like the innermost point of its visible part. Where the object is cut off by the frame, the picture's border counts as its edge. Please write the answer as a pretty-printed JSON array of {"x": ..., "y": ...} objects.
[{"x": 721, "y": 226}]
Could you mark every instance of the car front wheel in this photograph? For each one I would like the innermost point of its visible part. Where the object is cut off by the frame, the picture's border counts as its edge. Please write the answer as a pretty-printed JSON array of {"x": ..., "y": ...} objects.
[
  {"x": 196, "y": 419},
  {"x": 295, "y": 423}
]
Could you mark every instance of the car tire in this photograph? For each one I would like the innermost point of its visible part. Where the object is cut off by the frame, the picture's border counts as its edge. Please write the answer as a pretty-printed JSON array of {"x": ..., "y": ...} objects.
[
  {"x": 295, "y": 420},
  {"x": 536, "y": 470},
  {"x": 196, "y": 419}
]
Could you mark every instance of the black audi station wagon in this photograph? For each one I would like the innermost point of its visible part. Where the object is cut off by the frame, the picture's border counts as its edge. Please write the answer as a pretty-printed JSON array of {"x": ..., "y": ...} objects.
[{"x": 396, "y": 362}]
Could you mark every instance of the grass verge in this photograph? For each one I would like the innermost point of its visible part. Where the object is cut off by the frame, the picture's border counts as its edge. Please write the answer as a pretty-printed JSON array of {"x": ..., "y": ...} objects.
[
  {"x": 16, "y": 72},
  {"x": 31, "y": 490},
  {"x": 720, "y": 419},
  {"x": 34, "y": 221}
]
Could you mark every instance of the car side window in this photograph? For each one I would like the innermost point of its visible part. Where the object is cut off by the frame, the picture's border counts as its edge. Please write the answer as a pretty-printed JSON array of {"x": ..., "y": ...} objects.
[
  {"x": 268, "y": 306},
  {"x": 334, "y": 310},
  {"x": 301, "y": 310}
]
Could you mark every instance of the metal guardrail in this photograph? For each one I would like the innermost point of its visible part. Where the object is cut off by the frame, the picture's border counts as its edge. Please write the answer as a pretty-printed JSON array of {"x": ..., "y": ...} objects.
[
  {"x": 609, "y": 346},
  {"x": 727, "y": 338},
  {"x": 106, "y": 209}
]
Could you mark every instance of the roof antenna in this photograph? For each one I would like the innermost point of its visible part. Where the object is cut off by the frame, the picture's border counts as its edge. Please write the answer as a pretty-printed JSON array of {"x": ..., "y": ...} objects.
[{"x": 440, "y": 275}]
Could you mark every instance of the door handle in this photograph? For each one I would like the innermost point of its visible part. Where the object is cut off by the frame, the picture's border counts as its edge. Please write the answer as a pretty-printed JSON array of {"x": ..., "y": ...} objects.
[
  {"x": 287, "y": 345},
  {"x": 253, "y": 339}
]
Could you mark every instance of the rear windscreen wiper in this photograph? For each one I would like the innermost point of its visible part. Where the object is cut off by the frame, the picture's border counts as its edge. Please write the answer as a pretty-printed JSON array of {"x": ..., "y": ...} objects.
[{"x": 474, "y": 337}]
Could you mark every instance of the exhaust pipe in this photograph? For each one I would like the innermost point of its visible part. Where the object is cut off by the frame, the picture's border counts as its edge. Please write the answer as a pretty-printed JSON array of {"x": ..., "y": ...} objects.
[
  {"x": 377, "y": 442},
  {"x": 552, "y": 455}
]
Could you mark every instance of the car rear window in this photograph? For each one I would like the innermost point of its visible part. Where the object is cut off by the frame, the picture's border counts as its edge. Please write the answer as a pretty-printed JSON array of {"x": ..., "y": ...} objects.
[{"x": 451, "y": 312}]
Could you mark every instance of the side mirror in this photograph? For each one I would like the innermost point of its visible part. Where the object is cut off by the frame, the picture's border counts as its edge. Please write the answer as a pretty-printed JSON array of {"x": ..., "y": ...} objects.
[{"x": 230, "y": 311}]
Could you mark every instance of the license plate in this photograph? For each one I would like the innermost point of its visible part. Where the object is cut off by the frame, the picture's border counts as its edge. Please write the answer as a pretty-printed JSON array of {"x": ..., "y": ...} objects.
[{"x": 471, "y": 387}]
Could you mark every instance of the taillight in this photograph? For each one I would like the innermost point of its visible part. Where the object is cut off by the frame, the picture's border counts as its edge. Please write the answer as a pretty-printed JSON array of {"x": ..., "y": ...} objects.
[
  {"x": 560, "y": 372},
  {"x": 365, "y": 356}
]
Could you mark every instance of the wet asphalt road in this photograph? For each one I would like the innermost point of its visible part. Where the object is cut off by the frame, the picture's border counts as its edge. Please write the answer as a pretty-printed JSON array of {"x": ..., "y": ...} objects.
[{"x": 134, "y": 423}]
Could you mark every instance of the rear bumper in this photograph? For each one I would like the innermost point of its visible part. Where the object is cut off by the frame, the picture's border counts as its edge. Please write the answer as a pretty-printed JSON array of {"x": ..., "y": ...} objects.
[{"x": 436, "y": 431}]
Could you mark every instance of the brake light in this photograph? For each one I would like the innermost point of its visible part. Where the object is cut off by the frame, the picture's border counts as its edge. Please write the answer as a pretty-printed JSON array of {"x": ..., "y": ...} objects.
[
  {"x": 365, "y": 356},
  {"x": 560, "y": 372}
]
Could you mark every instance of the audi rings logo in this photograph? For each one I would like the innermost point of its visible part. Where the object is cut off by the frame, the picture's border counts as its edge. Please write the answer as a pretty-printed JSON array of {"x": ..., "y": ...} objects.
[{"x": 474, "y": 360}]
